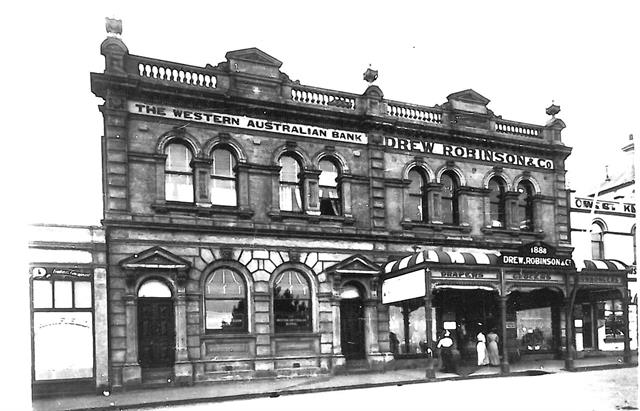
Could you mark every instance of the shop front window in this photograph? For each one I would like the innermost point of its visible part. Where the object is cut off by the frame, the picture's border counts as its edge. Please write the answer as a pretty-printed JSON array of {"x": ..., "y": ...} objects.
[
  {"x": 62, "y": 329},
  {"x": 534, "y": 329},
  {"x": 613, "y": 320},
  {"x": 225, "y": 302},
  {"x": 292, "y": 302},
  {"x": 407, "y": 329}
]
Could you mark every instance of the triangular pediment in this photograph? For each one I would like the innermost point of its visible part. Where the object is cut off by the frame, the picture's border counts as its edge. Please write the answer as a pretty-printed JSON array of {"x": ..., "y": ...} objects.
[
  {"x": 155, "y": 258},
  {"x": 469, "y": 96},
  {"x": 254, "y": 55},
  {"x": 356, "y": 264}
]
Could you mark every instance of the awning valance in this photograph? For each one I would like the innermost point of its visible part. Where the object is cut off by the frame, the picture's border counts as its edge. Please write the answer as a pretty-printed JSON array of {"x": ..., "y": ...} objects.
[
  {"x": 441, "y": 257},
  {"x": 598, "y": 265}
]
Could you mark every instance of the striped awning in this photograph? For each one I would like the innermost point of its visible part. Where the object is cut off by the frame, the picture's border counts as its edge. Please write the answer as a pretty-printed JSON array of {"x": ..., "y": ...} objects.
[
  {"x": 441, "y": 257},
  {"x": 598, "y": 265}
]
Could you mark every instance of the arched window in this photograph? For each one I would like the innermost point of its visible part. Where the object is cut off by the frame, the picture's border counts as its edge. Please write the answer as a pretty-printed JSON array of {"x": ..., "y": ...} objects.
[
  {"x": 178, "y": 173},
  {"x": 223, "y": 178},
  {"x": 597, "y": 243},
  {"x": 497, "y": 189},
  {"x": 292, "y": 302},
  {"x": 417, "y": 196},
  {"x": 225, "y": 299},
  {"x": 525, "y": 206},
  {"x": 449, "y": 198},
  {"x": 329, "y": 188},
  {"x": 290, "y": 193}
]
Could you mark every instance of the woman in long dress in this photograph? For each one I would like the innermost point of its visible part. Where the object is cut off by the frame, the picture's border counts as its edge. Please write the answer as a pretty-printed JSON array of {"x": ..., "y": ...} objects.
[
  {"x": 481, "y": 348},
  {"x": 492, "y": 348}
]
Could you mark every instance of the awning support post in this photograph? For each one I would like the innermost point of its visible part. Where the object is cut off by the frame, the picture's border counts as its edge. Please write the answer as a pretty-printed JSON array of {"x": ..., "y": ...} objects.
[
  {"x": 569, "y": 362},
  {"x": 504, "y": 362},
  {"x": 626, "y": 356},
  {"x": 430, "y": 371}
]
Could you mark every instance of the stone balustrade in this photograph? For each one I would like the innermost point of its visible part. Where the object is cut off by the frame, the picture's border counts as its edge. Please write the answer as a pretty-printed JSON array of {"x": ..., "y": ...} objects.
[
  {"x": 519, "y": 129},
  {"x": 323, "y": 97},
  {"x": 414, "y": 112},
  {"x": 172, "y": 72}
]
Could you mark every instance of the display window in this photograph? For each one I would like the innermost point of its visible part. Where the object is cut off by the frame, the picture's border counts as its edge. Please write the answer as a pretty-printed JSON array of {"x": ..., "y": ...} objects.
[
  {"x": 62, "y": 329},
  {"x": 534, "y": 329}
]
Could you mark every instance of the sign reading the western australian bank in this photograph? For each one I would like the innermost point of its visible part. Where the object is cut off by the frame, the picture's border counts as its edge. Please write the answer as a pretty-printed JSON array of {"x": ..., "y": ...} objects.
[
  {"x": 482, "y": 154},
  {"x": 246, "y": 122}
]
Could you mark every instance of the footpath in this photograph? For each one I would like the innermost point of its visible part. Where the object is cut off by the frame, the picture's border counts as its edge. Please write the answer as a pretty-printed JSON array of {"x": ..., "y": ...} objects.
[{"x": 273, "y": 387}]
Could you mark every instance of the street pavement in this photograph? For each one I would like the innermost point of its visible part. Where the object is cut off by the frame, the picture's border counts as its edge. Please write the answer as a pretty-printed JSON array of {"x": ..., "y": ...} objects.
[
  {"x": 600, "y": 390},
  {"x": 224, "y": 392}
]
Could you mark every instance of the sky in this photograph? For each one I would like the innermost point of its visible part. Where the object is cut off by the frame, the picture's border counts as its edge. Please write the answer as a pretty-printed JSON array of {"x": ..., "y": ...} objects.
[{"x": 520, "y": 55}]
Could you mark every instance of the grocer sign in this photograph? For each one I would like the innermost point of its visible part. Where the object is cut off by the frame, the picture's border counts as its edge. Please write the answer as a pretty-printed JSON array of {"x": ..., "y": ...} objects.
[
  {"x": 464, "y": 152},
  {"x": 536, "y": 254},
  {"x": 249, "y": 123}
]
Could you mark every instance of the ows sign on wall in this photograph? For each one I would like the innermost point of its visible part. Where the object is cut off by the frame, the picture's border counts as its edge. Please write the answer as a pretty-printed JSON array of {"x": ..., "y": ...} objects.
[
  {"x": 463, "y": 152},
  {"x": 248, "y": 123}
]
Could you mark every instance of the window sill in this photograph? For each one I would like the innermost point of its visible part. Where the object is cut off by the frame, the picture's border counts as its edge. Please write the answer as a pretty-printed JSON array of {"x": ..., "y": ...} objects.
[
  {"x": 310, "y": 218},
  {"x": 295, "y": 334},
  {"x": 410, "y": 225},
  {"x": 512, "y": 232},
  {"x": 201, "y": 210},
  {"x": 221, "y": 335}
]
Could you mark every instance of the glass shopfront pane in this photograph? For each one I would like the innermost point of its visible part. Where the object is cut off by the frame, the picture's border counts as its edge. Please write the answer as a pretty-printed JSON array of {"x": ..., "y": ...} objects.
[
  {"x": 396, "y": 330},
  {"x": 63, "y": 345},
  {"x": 63, "y": 297},
  {"x": 82, "y": 294},
  {"x": 416, "y": 343},
  {"x": 226, "y": 315},
  {"x": 417, "y": 331},
  {"x": 534, "y": 330},
  {"x": 42, "y": 294}
]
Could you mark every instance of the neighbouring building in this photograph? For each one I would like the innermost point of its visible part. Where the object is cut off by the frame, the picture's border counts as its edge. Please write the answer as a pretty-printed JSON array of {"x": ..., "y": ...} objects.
[
  {"x": 259, "y": 227},
  {"x": 68, "y": 282},
  {"x": 603, "y": 226}
]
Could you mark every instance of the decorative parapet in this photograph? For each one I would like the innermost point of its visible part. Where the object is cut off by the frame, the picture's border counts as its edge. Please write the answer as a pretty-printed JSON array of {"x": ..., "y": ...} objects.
[{"x": 254, "y": 74}]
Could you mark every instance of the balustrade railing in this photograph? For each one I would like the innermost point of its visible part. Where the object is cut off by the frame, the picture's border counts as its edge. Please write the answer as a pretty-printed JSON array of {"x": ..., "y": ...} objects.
[
  {"x": 413, "y": 112},
  {"x": 172, "y": 72},
  {"x": 519, "y": 129},
  {"x": 323, "y": 97}
]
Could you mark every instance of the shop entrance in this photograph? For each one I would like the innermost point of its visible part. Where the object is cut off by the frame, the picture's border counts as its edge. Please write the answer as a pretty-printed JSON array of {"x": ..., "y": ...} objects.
[
  {"x": 465, "y": 313},
  {"x": 156, "y": 330},
  {"x": 352, "y": 323}
]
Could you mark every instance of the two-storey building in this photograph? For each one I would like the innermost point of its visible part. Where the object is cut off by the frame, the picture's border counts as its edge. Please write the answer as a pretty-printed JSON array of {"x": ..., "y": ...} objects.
[{"x": 251, "y": 222}]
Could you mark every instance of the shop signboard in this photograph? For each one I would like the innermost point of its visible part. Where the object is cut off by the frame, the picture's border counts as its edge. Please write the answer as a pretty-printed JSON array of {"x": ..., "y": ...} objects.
[
  {"x": 404, "y": 287},
  {"x": 535, "y": 255}
]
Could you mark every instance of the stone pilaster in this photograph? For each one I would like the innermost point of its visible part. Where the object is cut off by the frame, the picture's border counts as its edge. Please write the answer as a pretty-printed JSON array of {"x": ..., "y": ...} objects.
[
  {"x": 183, "y": 369},
  {"x": 131, "y": 371}
]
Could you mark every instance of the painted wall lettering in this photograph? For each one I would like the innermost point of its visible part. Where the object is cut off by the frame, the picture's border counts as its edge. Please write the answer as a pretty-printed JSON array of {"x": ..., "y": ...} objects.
[
  {"x": 247, "y": 123},
  {"x": 481, "y": 154}
]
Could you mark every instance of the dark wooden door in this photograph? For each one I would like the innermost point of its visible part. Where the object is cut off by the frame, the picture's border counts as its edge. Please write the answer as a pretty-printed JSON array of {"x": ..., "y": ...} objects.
[
  {"x": 352, "y": 329},
  {"x": 156, "y": 332},
  {"x": 587, "y": 327}
]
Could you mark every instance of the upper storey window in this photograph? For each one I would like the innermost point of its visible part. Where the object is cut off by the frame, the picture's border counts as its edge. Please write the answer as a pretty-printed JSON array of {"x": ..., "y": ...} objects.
[
  {"x": 449, "y": 198},
  {"x": 178, "y": 173},
  {"x": 597, "y": 241},
  {"x": 290, "y": 193},
  {"x": 497, "y": 189},
  {"x": 329, "y": 189},
  {"x": 525, "y": 206},
  {"x": 223, "y": 178},
  {"x": 417, "y": 196}
]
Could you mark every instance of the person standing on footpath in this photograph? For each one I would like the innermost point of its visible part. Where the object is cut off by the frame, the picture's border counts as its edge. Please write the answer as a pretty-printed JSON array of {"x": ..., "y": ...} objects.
[
  {"x": 445, "y": 344},
  {"x": 492, "y": 348},
  {"x": 481, "y": 349}
]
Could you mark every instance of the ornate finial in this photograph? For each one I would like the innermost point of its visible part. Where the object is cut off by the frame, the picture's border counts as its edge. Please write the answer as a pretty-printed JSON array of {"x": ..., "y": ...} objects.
[
  {"x": 113, "y": 26},
  {"x": 552, "y": 110},
  {"x": 370, "y": 75}
]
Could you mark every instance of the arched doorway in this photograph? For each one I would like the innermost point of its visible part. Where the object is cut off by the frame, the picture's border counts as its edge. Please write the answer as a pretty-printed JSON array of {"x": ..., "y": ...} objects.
[
  {"x": 156, "y": 325},
  {"x": 352, "y": 322}
]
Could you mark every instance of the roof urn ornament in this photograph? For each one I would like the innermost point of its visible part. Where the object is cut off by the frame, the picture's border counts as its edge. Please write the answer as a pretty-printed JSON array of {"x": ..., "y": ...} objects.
[
  {"x": 553, "y": 109},
  {"x": 113, "y": 26},
  {"x": 370, "y": 75}
]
